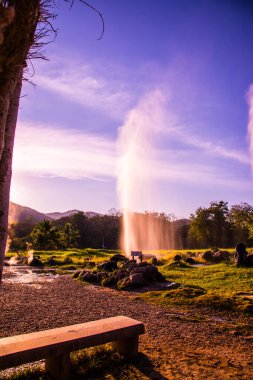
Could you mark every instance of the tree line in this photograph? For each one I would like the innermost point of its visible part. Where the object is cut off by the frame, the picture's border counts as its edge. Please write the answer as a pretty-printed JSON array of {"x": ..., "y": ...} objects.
[{"x": 214, "y": 226}]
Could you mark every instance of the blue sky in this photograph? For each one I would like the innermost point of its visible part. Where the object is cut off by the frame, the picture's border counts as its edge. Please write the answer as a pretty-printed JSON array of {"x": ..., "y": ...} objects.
[{"x": 196, "y": 53}]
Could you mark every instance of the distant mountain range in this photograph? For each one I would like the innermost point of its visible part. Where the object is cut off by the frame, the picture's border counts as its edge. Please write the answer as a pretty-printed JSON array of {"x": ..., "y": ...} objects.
[{"x": 18, "y": 214}]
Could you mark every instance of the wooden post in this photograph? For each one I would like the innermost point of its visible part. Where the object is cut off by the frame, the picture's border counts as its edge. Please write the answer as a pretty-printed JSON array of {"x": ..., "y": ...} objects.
[
  {"x": 128, "y": 346},
  {"x": 58, "y": 366}
]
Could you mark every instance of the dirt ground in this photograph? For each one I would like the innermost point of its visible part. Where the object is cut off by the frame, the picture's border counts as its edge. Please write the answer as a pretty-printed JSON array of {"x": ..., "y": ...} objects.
[{"x": 178, "y": 344}]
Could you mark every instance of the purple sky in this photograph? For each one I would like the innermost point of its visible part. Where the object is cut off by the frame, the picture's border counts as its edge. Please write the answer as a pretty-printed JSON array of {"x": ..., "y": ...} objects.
[{"x": 197, "y": 53}]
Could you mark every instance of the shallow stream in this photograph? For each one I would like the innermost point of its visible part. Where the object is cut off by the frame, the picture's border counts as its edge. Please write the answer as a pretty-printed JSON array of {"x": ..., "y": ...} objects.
[{"x": 30, "y": 276}]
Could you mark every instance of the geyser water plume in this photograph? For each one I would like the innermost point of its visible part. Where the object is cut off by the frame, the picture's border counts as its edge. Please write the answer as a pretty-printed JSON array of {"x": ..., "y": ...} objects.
[
  {"x": 136, "y": 172},
  {"x": 250, "y": 122}
]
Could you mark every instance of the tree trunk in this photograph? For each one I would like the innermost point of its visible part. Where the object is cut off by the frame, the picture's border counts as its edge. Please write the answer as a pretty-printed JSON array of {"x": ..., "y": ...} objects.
[
  {"x": 19, "y": 36},
  {"x": 6, "y": 169}
]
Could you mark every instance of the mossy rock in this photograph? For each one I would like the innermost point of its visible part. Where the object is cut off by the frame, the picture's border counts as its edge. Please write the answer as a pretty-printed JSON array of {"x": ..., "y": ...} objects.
[
  {"x": 76, "y": 274},
  {"x": 185, "y": 292},
  {"x": 67, "y": 260}
]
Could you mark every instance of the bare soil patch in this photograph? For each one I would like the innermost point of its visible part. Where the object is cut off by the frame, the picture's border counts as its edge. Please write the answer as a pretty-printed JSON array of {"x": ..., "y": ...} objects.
[{"x": 179, "y": 343}]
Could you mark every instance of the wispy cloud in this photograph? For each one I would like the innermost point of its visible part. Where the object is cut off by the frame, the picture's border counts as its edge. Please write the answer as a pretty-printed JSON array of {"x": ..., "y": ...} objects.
[
  {"x": 212, "y": 148},
  {"x": 46, "y": 150},
  {"x": 49, "y": 151},
  {"x": 106, "y": 91}
]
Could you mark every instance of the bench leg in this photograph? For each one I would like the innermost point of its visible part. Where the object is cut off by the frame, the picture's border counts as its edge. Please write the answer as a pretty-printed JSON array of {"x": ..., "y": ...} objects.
[
  {"x": 128, "y": 346},
  {"x": 58, "y": 366}
]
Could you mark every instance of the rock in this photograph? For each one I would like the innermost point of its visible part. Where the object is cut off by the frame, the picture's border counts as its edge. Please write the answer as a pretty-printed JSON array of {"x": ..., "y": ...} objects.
[
  {"x": 89, "y": 264},
  {"x": 136, "y": 279},
  {"x": 221, "y": 256},
  {"x": 118, "y": 257},
  {"x": 52, "y": 261},
  {"x": 129, "y": 265},
  {"x": 207, "y": 256},
  {"x": 190, "y": 261},
  {"x": 154, "y": 261},
  {"x": 109, "y": 266},
  {"x": 76, "y": 274},
  {"x": 120, "y": 274},
  {"x": 143, "y": 264},
  {"x": 141, "y": 270},
  {"x": 124, "y": 284},
  {"x": 101, "y": 276},
  {"x": 89, "y": 277},
  {"x": 109, "y": 281},
  {"x": 35, "y": 262},
  {"x": 178, "y": 264},
  {"x": 68, "y": 260},
  {"x": 81, "y": 274},
  {"x": 177, "y": 258},
  {"x": 249, "y": 260}
]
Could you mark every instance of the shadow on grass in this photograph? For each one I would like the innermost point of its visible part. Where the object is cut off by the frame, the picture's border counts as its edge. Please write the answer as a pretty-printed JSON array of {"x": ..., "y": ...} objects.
[
  {"x": 98, "y": 363},
  {"x": 106, "y": 363}
]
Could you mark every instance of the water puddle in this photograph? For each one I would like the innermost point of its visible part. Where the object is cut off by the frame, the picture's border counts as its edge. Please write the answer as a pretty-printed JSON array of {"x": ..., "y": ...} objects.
[
  {"x": 199, "y": 265},
  {"x": 26, "y": 275}
]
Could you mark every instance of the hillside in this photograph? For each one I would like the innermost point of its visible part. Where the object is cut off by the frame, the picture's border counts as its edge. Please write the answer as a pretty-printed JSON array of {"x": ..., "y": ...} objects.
[
  {"x": 18, "y": 214},
  {"x": 59, "y": 215}
]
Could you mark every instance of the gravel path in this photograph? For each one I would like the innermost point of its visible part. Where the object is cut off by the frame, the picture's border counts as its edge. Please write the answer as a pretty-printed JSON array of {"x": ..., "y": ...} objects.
[{"x": 181, "y": 344}]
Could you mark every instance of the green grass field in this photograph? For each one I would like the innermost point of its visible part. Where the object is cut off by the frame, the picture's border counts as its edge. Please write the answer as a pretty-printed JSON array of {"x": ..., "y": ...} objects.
[{"x": 218, "y": 285}]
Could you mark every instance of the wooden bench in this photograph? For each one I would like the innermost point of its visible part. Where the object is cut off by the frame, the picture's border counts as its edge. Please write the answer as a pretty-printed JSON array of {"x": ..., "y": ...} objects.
[{"x": 55, "y": 345}]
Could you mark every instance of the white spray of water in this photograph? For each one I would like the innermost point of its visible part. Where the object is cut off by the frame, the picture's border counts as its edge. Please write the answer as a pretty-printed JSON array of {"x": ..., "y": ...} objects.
[
  {"x": 30, "y": 256},
  {"x": 136, "y": 143},
  {"x": 250, "y": 122}
]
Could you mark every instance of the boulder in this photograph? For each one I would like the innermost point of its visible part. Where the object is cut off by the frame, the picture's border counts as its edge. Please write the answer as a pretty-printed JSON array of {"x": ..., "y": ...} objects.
[
  {"x": 108, "y": 266},
  {"x": 124, "y": 284},
  {"x": 89, "y": 264},
  {"x": 76, "y": 274},
  {"x": 118, "y": 257},
  {"x": 141, "y": 270},
  {"x": 136, "y": 279},
  {"x": 221, "y": 256},
  {"x": 120, "y": 274},
  {"x": 52, "y": 261},
  {"x": 207, "y": 256},
  {"x": 90, "y": 277},
  {"x": 101, "y": 276},
  {"x": 67, "y": 260},
  {"x": 249, "y": 260},
  {"x": 154, "y": 261},
  {"x": 35, "y": 262},
  {"x": 82, "y": 273},
  {"x": 177, "y": 258},
  {"x": 190, "y": 261},
  {"x": 109, "y": 281}
]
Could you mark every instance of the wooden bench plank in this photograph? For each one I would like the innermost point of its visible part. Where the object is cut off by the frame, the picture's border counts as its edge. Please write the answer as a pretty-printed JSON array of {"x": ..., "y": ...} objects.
[{"x": 38, "y": 345}]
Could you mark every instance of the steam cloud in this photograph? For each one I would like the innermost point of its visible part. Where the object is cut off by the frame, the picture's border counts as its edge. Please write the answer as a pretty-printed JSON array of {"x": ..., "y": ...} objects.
[
  {"x": 136, "y": 144},
  {"x": 250, "y": 122}
]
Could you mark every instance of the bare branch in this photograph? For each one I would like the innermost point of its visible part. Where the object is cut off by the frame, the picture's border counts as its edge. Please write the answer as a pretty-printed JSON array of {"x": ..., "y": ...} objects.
[
  {"x": 94, "y": 9},
  {"x": 99, "y": 13}
]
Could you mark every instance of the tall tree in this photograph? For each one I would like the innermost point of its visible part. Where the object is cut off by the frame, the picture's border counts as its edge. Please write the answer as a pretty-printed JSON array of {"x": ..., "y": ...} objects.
[
  {"x": 45, "y": 236},
  {"x": 210, "y": 225},
  {"x": 70, "y": 235},
  {"x": 241, "y": 218},
  {"x": 24, "y": 24},
  {"x": 17, "y": 35}
]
